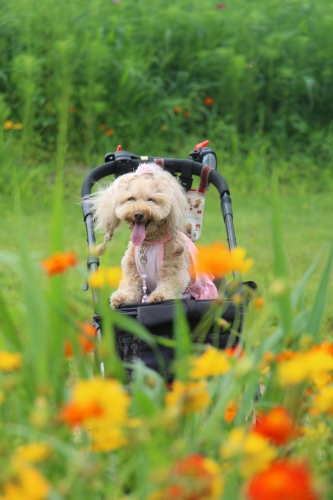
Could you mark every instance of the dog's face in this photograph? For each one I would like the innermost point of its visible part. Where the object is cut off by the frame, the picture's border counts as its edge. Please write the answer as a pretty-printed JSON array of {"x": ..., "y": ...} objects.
[{"x": 150, "y": 201}]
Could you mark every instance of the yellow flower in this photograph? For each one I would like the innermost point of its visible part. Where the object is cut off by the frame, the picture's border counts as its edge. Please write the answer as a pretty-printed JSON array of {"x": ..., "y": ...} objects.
[
  {"x": 30, "y": 484},
  {"x": 8, "y": 125},
  {"x": 294, "y": 370},
  {"x": 113, "y": 276},
  {"x": 238, "y": 261},
  {"x": 211, "y": 362},
  {"x": 10, "y": 361},
  {"x": 323, "y": 402},
  {"x": 251, "y": 452},
  {"x": 106, "y": 437},
  {"x": 100, "y": 406},
  {"x": 105, "y": 276},
  {"x": 310, "y": 365},
  {"x": 188, "y": 397},
  {"x": 17, "y": 126},
  {"x": 32, "y": 452}
]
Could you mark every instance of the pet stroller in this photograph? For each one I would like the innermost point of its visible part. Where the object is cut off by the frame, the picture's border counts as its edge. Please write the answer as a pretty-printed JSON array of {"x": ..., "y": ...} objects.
[{"x": 158, "y": 317}]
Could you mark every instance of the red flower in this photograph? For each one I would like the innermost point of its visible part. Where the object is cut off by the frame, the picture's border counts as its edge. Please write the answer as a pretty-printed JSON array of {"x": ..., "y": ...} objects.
[
  {"x": 58, "y": 263},
  {"x": 283, "y": 480},
  {"x": 220, "y": 6},
  {"x": 208, "y": 101},
  {"x": 277, "y": 425}
]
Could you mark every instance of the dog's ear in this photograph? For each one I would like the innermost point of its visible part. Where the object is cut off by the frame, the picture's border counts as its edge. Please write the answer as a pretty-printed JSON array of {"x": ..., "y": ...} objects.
[{"x": 104, "y": 206}]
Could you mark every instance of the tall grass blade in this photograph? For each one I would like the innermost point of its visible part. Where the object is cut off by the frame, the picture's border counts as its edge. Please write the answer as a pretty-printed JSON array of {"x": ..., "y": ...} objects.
[
  {"x": 9, "y": 332},
  {"x": 317, "y": 312},
  {"x": 298, "y": 291},
  {"x": 280, "y": 266},
  {"x": 37, "y": 325},
  {"x": 182, "y": 336}
]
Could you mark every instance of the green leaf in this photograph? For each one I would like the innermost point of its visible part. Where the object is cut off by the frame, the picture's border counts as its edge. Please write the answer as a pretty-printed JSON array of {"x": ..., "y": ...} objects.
[
  {"x": 317, "y": 312},
  {"x": 182, "y": 336}
]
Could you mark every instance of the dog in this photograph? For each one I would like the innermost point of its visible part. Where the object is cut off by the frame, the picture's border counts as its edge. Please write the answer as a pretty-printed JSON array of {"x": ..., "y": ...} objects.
[{"x": 157, "y": 264}]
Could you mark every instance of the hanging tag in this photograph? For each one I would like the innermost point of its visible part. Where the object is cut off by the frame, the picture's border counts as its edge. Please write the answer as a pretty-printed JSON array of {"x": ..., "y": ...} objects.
[
  {"x": 195, "y": 206},
  {"x": 194, "y": 215}
]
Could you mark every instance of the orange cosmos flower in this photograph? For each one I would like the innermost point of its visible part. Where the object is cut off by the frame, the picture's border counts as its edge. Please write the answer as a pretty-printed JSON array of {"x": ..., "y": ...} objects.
[
  {"x": 110, "y": 132},
  {"x": 187, "y": 113},
  {"x": 218, "y": 260},
  {"x": 234, "y": 352},
  {"x": 284, "y": 479},
  {"x": 277, "y": 425},
  {"x": 285, "y": 355},
  {"x": 177, "y": 110},
  {"x": 193, "y": 478},
  {"x": 76, "y": 413},
  {"x": 102, "y": 126},
  {"x": 208, "y": 101},
  {"x": 259, "y": 303},
  {"x": 58, "y": 263},
  {"x": 230, "y": 412},
  {"x": 88, "y": 332},
  {"x": 72, "y": 109}
]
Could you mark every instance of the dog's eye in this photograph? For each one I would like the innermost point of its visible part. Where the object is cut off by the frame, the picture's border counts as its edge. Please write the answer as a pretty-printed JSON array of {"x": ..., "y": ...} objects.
[
  {"x": 152, "y": 200},
  {"x": 131, "y": 199}
]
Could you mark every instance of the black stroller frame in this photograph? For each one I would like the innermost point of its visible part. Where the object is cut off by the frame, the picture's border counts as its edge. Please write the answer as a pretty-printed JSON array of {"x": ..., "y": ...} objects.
[{"x": 203, "y": 164}]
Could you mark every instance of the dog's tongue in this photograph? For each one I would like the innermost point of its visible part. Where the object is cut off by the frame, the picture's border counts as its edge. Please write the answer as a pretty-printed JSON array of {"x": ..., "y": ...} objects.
[{"x": 138, "y": 233}]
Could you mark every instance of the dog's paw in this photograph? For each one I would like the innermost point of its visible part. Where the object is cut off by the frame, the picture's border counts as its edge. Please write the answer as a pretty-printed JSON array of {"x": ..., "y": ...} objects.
[
  {"x": 118, "y": 298},
  {"x": 157, "y": 297}
]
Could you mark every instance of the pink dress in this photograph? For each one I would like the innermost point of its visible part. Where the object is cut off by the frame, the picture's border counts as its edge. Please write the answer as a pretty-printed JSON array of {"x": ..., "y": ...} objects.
[{"x": 203, "y": 286}]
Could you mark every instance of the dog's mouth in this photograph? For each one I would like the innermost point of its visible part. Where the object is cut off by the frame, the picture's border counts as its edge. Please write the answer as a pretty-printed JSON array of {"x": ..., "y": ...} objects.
[{"x": 139, "y": 232}]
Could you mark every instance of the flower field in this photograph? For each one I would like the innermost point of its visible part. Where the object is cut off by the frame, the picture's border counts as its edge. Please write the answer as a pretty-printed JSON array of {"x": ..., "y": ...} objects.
[{"x": 70, "y": 431}]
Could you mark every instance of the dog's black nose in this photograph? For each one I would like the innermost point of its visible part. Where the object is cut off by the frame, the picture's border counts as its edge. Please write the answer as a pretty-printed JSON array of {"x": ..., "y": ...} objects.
[{"x": 138, "y": 216}]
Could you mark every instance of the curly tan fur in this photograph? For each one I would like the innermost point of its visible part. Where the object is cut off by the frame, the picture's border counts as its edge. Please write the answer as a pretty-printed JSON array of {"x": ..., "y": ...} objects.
[{"x": 161, "y": 199}]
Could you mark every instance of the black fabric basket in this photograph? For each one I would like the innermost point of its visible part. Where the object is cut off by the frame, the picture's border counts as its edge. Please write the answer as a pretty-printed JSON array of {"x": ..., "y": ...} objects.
[{"x": 158, "y": 319}]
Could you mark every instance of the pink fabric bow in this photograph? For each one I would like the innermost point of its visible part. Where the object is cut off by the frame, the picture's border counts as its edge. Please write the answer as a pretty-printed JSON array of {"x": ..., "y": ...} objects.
[{"x": 145, "y": 169}]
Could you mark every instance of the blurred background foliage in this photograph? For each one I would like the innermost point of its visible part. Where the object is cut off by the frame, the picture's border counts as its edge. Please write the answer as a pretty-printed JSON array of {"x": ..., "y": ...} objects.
[{"x": 255, "y": 77}]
